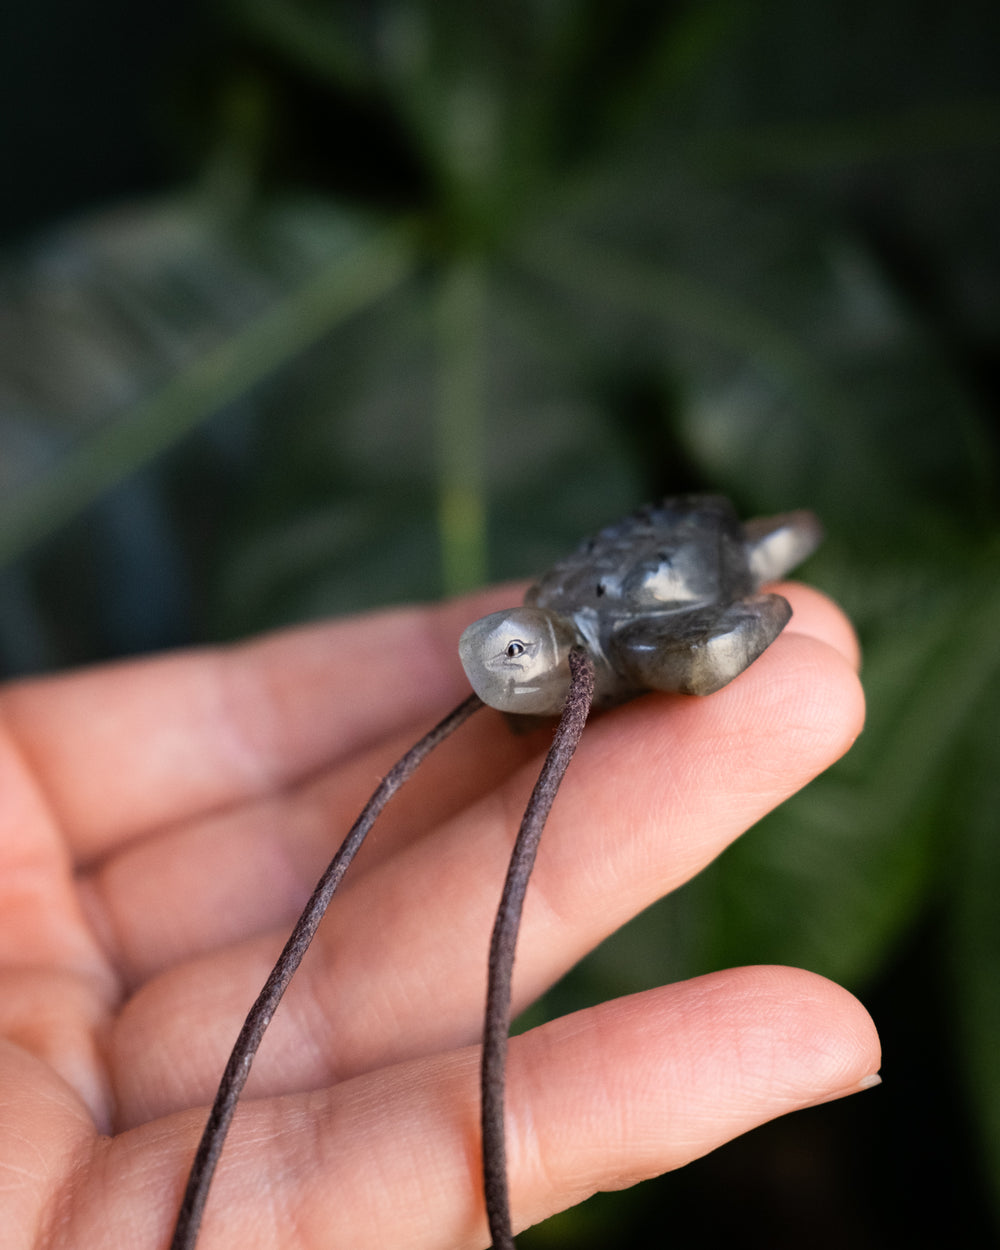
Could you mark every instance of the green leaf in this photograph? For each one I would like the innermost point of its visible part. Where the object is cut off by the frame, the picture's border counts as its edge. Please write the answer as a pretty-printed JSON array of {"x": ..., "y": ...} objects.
[{"x": 972, "y": 875}]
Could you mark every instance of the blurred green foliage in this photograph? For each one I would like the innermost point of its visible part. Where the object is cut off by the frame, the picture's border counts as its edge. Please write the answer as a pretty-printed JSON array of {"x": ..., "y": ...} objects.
[{"x": 449, "y": 286}]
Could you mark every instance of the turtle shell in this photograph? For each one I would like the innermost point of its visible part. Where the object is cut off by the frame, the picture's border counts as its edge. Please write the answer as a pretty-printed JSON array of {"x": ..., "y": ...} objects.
[{"x": 682, "y": 553}]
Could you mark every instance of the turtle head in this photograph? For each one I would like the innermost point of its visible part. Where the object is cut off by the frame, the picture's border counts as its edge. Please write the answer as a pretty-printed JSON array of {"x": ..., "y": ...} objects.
[{"x": 517, "y": 661}]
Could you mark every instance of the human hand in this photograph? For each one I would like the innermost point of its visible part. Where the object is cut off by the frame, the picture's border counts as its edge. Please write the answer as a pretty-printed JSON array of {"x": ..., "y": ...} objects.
[{"x": 162, "y": 823}]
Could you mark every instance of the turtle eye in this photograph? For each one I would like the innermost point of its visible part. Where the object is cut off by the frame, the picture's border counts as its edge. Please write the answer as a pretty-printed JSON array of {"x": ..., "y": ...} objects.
[{"x": 513, "y": 649}]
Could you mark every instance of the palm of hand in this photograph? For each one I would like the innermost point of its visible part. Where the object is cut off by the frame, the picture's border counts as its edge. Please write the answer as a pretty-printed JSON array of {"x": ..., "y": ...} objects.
[{"x": 161, "y": 824}]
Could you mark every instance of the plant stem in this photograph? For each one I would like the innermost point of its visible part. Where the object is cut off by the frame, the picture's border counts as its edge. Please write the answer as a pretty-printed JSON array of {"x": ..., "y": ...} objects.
[{"x": 459, "y": 425}]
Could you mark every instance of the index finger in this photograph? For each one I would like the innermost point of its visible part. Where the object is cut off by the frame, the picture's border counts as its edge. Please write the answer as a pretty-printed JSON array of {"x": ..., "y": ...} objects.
[
  {"x": 124, "y": 749},
  {"x": 815, "y": 614}
]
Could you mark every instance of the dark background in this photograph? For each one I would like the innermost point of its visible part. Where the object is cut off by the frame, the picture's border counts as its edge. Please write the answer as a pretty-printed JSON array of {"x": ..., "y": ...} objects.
[{"x": 309, "y": 307}]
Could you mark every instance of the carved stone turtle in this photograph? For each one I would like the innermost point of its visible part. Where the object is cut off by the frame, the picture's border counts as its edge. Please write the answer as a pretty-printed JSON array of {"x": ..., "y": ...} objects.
[{"x": 666, "y": 599}]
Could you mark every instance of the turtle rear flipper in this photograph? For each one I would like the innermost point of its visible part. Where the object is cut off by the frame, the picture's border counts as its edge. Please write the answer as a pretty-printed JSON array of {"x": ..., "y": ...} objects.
[
  {"x": 776, "y": 544},
  {"x": 698, "y": 652}
]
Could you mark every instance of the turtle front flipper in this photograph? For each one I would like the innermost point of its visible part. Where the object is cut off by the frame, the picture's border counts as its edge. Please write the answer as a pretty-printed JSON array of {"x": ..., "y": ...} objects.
[{"x": 697, "y": 652}]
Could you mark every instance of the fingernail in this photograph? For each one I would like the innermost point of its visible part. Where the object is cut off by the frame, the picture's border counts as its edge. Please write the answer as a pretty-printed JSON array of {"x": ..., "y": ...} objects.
[{"x": 868, "y": 1082}]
